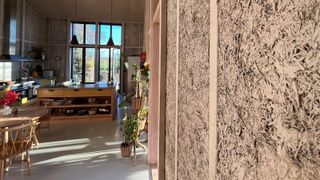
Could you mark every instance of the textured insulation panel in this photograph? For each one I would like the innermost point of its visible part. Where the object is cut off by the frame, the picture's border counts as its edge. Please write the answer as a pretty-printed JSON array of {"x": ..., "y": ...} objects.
[
  {"x": 188, "y": 89},
  {"x": 171, "y": 90},
  {"x": 269, "y": 89}
]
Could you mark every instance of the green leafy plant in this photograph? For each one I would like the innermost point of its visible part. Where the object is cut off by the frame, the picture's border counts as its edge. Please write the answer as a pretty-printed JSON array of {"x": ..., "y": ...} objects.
[
  {"x": 142, "y": 81},
  {"x": 143, "y": 112},
  {"x": 129, "y": 127}
]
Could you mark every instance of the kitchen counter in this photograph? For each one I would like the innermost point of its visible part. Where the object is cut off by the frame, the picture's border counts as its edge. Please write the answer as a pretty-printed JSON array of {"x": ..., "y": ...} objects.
[
  {"x": 79, "y": 95},
  {"x": 99, "y": 85}
]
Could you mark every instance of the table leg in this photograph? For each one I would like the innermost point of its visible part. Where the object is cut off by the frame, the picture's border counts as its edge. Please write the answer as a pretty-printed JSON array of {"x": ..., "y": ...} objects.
[
  {"x": 6, "y": 165},
  {"x": 1, "y": 169},
  {"x": 35, "y": 138}
]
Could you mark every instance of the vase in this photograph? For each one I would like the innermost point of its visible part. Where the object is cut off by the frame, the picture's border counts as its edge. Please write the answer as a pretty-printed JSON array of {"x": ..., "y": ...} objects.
[
  {"x": 6, "y": 110},
  {"x": 14, "y": 111}
]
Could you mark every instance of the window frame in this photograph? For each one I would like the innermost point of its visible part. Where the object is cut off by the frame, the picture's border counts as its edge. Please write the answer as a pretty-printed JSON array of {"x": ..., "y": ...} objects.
[
  {"x": 97, "y": 46},
  {"x": 110, "y": 24}
]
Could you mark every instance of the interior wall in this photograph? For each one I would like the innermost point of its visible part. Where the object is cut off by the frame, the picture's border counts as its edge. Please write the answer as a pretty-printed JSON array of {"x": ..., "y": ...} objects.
[
  {"x": 122, "y": 10},
  {"x": 171, "y": 89},
  {"x": 56, "y": 45},
  {"x": 133, "y": 38},
  {"x": 187, "y": 102},
  {"x": 30, "y": 28},
  {"x": 34, "y": 29},
  {"x": 1, "y": 24},
  {"x": 268, "y": 90}
]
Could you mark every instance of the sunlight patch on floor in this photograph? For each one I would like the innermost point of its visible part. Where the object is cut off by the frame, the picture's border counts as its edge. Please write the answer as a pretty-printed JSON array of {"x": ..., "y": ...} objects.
[{"x": 63, "y": 143}]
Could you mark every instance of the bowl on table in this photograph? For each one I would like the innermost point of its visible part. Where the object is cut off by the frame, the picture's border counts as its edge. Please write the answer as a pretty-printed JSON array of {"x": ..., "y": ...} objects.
[
  {"x": 104, "y": 111},
  {"x": 82, "y": 112},
  {"x": 69, "y": 112},
  {"x": 92, "y": 111}
]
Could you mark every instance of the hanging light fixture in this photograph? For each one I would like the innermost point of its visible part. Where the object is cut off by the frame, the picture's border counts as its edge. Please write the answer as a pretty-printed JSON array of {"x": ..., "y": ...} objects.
[
  {"x": 110, "y": 41},
  {"x": 74, "y": 39}
]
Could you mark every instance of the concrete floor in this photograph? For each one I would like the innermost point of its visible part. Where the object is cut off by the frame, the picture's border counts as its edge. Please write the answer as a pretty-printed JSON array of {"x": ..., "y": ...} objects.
[{"x": 81, "y": 150}]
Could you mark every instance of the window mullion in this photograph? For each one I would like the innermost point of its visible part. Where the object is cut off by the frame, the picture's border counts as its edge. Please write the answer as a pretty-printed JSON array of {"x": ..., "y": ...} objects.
[
  {"x": 84, "y": 33},
  {"x": 83, "y": 65},
  {"x": 97, "y": 58}
]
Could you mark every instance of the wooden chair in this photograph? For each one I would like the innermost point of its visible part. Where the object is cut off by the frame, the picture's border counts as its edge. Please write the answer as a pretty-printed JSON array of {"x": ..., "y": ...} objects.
[
  {"x": 15, "y": 141},
  {"x": 47, "y": 103}
]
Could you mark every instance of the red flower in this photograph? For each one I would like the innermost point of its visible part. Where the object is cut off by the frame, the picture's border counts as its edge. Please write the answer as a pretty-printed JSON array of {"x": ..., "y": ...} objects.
[{"x": 9, "y": 98}]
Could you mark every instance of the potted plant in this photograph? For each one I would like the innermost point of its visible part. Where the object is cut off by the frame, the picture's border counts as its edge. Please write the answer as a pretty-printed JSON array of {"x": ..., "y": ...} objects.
[
  {"x": 133, "y": 124},
  {"x": 129, "y": 126},
  {"x": 141, "y": 89},
  {"x": 142, "y": 126}
]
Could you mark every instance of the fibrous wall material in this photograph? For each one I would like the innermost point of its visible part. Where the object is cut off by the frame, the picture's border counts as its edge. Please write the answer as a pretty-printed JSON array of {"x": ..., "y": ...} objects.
[{"x": 269, "y": 89}]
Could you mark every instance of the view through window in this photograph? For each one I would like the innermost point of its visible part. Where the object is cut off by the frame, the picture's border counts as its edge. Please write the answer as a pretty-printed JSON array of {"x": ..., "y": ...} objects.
[{"x": 92, "y": 60}]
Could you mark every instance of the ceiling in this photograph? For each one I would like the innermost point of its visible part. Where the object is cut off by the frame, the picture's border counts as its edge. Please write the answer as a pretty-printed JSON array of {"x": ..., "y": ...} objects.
[{"x": 122, "y": 10}]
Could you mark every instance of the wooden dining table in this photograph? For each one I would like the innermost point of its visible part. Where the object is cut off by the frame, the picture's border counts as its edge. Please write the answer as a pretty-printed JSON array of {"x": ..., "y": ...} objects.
[{"x": 25, "y": 114}]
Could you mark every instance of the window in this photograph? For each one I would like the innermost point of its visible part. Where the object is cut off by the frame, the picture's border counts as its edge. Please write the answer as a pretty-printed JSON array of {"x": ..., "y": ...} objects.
[
  {"x": 86, "y": 33},
  {"x": 92, "y": 60},
  {"x": 105, "y": 33},
  {"x": 5, "y": 71},
  {"x": 77, "y": 55},
  {"x": 107, "y": 30},
  {"x": 104, "y": 64}
]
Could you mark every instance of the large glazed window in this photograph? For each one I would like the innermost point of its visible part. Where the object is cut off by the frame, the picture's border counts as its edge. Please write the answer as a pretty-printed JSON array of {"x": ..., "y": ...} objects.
[{"x": 92, "y": 60}]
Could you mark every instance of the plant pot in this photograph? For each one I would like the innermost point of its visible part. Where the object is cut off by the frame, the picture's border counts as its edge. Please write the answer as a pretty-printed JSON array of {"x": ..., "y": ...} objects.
[
  {"x": 137, "y": 103},
  {"x": 126, "y": 150}
]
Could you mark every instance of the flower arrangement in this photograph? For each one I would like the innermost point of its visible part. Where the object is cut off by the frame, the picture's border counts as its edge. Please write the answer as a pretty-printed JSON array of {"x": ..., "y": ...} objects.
[{"x": 9, "y": 98}]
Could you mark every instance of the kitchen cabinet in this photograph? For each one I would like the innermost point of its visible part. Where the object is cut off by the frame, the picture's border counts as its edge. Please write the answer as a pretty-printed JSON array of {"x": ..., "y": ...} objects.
[{"x": 77, "y": 98}]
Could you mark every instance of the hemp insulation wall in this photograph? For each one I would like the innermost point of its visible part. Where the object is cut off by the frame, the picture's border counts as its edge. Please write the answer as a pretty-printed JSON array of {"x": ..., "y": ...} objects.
[
  {"x": 187, "y": 112},
  {"x": 269, "y": 89},
  {"x": 171, "y": 98}
]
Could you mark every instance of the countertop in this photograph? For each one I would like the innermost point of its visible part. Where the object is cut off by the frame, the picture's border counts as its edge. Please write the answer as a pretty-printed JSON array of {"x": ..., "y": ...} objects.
[{"x": 98, "y": 85}]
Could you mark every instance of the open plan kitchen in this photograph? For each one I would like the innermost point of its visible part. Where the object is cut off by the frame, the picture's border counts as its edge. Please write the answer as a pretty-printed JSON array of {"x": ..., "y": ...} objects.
[{"x": 74, "y": 85}]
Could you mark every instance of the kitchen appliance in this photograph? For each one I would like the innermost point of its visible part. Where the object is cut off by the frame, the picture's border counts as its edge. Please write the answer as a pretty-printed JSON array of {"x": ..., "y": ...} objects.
[
  {"x": 48, "y": 73},
  {"x": 46, "y": 82},
  {"x": 37, "y": 71},
  {"x": 26, "y": 90},
  {"x": 22, "y": 93},
  {"x": 3, "y": 85},
  {"x": 34, "y": 89}
]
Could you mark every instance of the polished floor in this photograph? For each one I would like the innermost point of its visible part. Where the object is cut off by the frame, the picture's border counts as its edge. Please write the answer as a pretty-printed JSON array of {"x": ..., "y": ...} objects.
[{"x": 81, "y": 150}]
